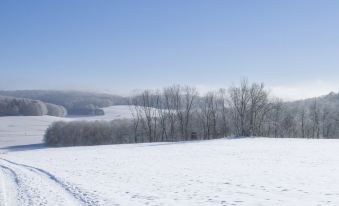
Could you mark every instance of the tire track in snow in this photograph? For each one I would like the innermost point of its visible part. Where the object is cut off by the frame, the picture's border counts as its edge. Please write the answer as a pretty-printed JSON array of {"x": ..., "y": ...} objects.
[
  {"x": 75, "y": 195},
  {"x": 3, "y": 190},
  {"x": 21, "y": 193},
  {"x": 3, "y": 198}
]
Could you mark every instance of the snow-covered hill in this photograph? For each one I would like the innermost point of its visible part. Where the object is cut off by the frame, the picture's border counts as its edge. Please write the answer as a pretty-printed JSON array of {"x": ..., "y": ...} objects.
[
  {"x": 257, "y": 171},
  {"x": 24, "y": 130},
  {"x": 252, "y": 171}
]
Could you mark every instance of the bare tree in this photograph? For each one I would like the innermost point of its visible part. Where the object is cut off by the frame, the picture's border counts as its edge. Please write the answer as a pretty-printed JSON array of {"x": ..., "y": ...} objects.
[
  {"x": 315, "y": 119},
  {"x": 224, "y": 112},
  {"x": 239, "y": 103},
  {"x": 149, "y": 114},
  {"x": 189, "y": 95},
  {"x": 259, "y": 108},
  {"x": 136, "y": 112},
  {"x": 303, "y": 121},
  {"x": 276, "y": 117},
  {"x": 171, "y": 101}
]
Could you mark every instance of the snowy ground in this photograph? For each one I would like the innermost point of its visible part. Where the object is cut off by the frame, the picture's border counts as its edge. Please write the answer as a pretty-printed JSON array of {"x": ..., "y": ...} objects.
[
  {"x": 16, "y": 130},
  {"x": 252, "y": 171},
  {"x": 257, "y": 171}
]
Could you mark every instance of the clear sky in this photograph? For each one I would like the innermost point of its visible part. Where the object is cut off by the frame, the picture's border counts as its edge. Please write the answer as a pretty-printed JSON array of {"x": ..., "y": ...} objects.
[{"x": 120, "y": 45}]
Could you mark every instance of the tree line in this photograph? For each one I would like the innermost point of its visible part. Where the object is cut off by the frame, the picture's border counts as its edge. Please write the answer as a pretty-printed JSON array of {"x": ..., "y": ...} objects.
[
  {"x": 179, "y": 113},
  {"x": 10, "y": 106},
  {"x": 76, "y": 103}
]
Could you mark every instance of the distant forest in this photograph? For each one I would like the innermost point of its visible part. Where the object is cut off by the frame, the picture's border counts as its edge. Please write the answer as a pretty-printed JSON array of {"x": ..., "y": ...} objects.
[
  {"x": 10, "y": 106},
  {"x": 179, "y": 113},
  {"x": 76, "y": 103}
]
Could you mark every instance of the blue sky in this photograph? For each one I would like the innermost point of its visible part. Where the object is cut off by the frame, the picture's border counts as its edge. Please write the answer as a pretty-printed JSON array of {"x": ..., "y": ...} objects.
[{"x": 119, "y": 45}]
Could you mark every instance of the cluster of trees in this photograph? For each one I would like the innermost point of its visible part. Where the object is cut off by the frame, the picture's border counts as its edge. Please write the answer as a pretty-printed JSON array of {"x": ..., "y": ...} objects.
[
  {"x": 244, "y": 110},
  {"x": 55, "y": 110},
  {"x": 179, "y": 113},
  {"x": 82, "y": 133},
  {"x": 311, "y": 118},
  {"x": 26, "y": 107},
  {"x": 76, "y": 103}
]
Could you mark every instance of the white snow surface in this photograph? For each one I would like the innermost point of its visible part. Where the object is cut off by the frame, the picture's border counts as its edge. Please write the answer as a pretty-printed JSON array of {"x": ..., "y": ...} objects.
[
  {"x": 249, "y": 171},
  {"x": 23, "y": 130},
  {"x": 253, "y": 171}
]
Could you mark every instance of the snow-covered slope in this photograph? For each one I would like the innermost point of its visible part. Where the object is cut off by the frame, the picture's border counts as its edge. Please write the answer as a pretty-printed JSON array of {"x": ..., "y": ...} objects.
[
  {"x": 24, "y": 130},
  {"x": 253, "y": 171},
  {"x": 21, "y": 130},
  {"x": 257, "y": 171},
  {"x": 111, "y": 113}
]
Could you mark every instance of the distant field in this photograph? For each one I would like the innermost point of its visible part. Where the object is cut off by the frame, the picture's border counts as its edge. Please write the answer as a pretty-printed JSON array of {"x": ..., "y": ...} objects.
[{"x": 24, "y": 130}]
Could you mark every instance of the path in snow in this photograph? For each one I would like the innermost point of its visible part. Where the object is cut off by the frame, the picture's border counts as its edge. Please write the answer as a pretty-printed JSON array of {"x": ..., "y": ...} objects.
[
  {"x": 34, "y": 186},
  {"x": 242, "y": 172},
  {"x": 253, "y": 171}
]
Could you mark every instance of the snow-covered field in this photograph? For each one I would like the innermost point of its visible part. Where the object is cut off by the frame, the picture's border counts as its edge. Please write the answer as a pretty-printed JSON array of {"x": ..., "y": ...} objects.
[
  {"x": 251, "y": 171},
  {"x": 15, "y": 131}
]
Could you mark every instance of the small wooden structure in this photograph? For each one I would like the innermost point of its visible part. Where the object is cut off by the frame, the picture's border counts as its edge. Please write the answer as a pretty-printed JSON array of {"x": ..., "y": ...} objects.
[{"x": 194, "y": 136}]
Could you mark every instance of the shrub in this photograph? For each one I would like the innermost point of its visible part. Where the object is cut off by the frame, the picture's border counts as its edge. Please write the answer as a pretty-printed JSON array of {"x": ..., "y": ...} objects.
[
  {"x": 16, "y": 106},
  {"x": 82, "y": 133},
  {"x": 56, "y": 110}
]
